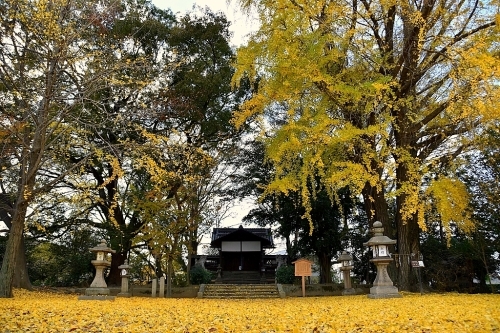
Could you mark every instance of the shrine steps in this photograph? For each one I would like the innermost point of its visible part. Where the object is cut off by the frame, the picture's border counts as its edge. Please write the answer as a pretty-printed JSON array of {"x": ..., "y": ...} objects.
[
  {"x": 241, "y": 277},
  {"x": 240, "y": 291}
]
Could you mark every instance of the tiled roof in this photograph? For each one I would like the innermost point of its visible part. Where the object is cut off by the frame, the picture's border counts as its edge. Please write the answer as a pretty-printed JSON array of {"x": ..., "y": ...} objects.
[{"x": 262, "y": 233}]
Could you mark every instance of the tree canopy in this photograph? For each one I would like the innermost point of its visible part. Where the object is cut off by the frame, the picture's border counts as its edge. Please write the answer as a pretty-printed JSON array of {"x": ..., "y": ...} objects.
[
  {"x": 379, "y": 96},
  {"x": 115, "y": 115}
]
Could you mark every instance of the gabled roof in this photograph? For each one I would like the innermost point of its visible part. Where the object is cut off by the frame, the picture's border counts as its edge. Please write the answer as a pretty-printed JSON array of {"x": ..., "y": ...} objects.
[{"x": 241, "y": 234}]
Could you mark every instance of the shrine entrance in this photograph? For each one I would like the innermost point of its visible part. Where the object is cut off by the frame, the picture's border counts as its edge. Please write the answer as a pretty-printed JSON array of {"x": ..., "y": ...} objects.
[
  {"x": 242, "y": 253},
  {"x": 241, "y": 261}
]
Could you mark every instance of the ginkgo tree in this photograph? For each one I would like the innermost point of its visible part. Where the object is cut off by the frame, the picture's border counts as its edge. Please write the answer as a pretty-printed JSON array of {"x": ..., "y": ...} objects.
[
  {"x": 45, "y": 78},
  {"x": 379, "y": 96}
]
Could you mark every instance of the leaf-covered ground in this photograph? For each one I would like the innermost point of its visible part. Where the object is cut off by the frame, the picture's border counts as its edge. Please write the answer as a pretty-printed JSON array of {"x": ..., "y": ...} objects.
[{"x": 44, "y": 312}]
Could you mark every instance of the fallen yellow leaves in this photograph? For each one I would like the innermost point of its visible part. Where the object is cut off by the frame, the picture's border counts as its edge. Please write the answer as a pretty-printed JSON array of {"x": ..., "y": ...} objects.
[{"x": 44, "y": 312}]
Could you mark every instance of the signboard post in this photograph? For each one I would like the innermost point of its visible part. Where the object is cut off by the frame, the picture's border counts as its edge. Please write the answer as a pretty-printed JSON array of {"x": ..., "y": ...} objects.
[
  {"x": 303, "y": 269},
  {"x": 418, "y": 264}
]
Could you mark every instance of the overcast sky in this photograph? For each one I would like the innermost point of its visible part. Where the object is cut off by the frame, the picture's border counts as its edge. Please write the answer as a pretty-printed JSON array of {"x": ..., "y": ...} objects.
[{"x": 241, "y": 24}]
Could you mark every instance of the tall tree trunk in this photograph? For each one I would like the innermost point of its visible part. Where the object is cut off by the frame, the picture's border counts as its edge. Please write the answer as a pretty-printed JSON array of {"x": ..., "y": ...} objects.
[
  {"x": 407, "y": 235},
  {"x": 408, "y": 244},
  {"x": 325, "y": 264},
  {"x": 114, "y": 277},
  {"x": 13, "y": 248},
  {"x": 377, "y": 209},
  {"x": 158, "y": 269},
  {"x": 21, "y": 277},
  {"x": 170, "y": 274},
  {"x": 192, "y": 251},
  {"x": 35, "y": 140},
  {"x": 29, "y": 167}
]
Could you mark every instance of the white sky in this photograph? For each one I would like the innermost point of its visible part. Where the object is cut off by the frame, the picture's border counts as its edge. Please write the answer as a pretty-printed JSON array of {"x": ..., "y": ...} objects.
[{"x": 241, "y": 24}]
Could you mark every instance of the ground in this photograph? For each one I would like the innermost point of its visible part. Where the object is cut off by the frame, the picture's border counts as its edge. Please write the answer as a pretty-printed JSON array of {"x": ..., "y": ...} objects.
[{"x": 50, "y": 312}]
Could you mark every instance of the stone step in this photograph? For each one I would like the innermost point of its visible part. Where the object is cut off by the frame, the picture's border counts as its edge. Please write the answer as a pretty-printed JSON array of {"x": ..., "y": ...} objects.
[
  {"x": 241, "y": 291},
  {"x": 241, "y": 277}
]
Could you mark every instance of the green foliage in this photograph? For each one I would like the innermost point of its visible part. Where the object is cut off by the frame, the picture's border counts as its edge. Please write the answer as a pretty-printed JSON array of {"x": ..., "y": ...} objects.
[
  {"x": 286, "y": 213},
  {"x": 480, "y": 171},
  {"x": 199, "y": 275},
  {"x": 180, "y": 279},
  {"x": 454, "y": 267},
  {"x": 285, "y": 274},
  {"x": 65, "y": 263}
]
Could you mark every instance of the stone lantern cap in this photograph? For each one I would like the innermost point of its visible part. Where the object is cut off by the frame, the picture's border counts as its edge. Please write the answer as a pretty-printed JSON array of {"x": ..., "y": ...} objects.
[
  {"x": 345, "y": 256},
  {"x": 102, "y": 247},
  {"x": 378, "y": 236},
  {"x": 125, "y": 265}
]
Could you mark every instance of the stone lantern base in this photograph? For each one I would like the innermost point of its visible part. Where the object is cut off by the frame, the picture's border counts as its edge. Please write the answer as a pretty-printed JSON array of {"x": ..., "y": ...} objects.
[
  {"x": 384, "y": 292},
  {"x": 348, "y": 291},
  {"x": 99, "y": 294}
]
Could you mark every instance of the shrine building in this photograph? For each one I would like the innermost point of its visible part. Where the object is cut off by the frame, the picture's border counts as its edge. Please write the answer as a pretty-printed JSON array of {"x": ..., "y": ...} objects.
[{"x": 242, "y": 255}]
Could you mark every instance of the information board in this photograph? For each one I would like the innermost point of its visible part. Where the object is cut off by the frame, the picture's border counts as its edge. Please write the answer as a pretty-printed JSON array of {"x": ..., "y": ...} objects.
[{"x": 303, "y": 267}]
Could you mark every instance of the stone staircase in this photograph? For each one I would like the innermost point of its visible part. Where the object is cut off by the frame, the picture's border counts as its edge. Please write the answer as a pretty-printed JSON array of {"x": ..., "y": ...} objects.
[
  {"x": 239, "y": 291},
  {"x": 241, "y": 277}
]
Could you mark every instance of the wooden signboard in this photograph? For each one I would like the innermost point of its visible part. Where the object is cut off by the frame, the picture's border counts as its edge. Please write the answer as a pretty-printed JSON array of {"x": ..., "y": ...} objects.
[
  {"x": 303, "y": 268},
  {"x": 417, "y": 264}
]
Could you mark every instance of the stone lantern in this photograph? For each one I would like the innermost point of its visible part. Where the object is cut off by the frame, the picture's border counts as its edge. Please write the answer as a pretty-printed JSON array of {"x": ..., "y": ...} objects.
[
  {"x": 382, "y": 286},
  {"x": 99, "y": 289},
  {"x": 125, "y": 274},
  {"x": 346, "y": 262}
]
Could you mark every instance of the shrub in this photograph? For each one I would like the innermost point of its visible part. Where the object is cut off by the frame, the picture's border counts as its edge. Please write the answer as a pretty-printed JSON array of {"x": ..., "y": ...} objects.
[
  {"x": 180, "y": 279},
  {"x": 285, "y": 274},
  {"x": 199, "y": 275}
]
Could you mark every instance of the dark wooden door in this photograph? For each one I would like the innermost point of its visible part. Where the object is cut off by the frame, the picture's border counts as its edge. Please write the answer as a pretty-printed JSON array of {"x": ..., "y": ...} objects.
[
  {"x": 245, "y": 261},
  {"x": 231, "y": 261},
  {"x": 251, "y": 261}
]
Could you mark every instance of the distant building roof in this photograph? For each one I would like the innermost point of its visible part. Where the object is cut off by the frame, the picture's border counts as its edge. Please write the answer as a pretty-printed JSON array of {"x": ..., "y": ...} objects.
[{"x": 242, "y": 234}]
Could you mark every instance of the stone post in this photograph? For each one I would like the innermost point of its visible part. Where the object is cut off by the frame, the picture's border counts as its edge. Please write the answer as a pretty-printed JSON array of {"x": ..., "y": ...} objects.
[
  {"x": 218, "y": 279},
  {"x": 162, "y": 287},
  {"x": 153, "y": 287}
]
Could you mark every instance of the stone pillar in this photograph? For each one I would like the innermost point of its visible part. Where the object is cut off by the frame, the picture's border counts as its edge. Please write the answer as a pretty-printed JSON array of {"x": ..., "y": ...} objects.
[
  {"x": 153, "y": 287},
  {"x": 218, "y": 279},
  {"x": 162, "y": 287}
]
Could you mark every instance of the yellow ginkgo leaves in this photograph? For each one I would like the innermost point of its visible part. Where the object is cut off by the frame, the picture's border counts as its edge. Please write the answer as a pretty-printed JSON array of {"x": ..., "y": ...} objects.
[{"x": 43, "y": 312}]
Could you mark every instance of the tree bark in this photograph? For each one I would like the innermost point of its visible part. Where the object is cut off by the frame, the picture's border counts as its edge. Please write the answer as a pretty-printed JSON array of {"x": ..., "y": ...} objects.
[
  {"x": 325, "y": 264},
  {"x": 407, "y": 235},
  {"x": 376, "y": 208},
  {"x": 21, "y": 276},
  {"x": 170, "y": 271},
  {"x": 117, "y": 259},
  {"x": 408, "y": 244},
  {"x": 12, "y": 249},
  {"x": 192, "y": 251}
]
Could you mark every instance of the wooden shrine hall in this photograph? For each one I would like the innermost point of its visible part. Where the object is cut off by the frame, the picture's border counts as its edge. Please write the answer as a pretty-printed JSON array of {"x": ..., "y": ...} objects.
[{"x": 242, "y": 257}]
